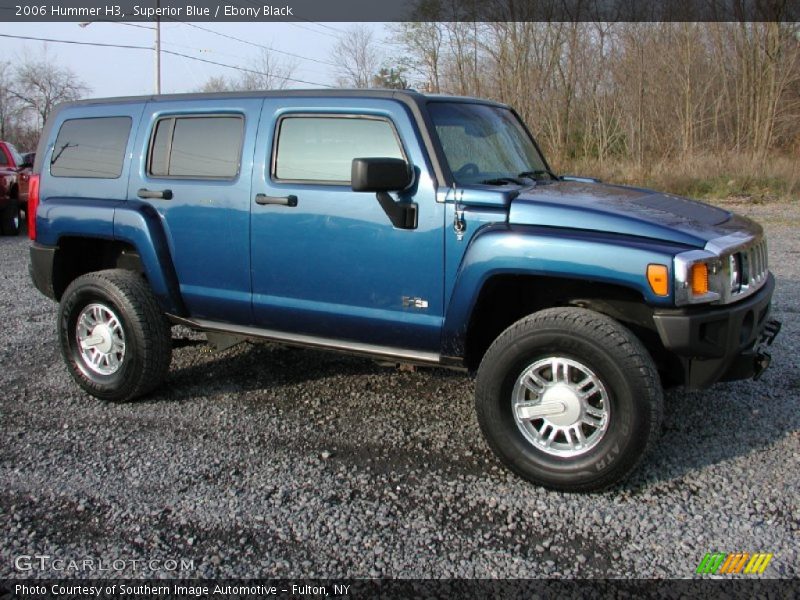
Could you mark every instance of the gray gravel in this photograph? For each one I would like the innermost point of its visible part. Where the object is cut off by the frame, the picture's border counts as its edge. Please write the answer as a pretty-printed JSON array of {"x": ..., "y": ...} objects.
[{"x": 265, "y": 461}]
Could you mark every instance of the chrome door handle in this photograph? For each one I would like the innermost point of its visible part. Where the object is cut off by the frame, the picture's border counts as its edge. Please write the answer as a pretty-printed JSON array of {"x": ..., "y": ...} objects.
[
  {"x": 263, "y": 199},
  {"x": 158, "y": 194}
]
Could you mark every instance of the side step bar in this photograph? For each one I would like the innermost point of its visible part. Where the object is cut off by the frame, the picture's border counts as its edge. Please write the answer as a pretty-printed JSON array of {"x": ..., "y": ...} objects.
[{"x": 309, "y": 341}]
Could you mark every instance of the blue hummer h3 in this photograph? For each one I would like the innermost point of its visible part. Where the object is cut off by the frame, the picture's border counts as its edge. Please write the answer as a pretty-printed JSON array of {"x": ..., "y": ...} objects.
[{"x": 405, "y": 227}]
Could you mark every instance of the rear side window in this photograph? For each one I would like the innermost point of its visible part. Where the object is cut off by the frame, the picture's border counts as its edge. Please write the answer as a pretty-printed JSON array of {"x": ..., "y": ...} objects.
[
  {"x": 196, "y": 147},
  {"x": 322, "y": 149},
  {"x": 92, "y": 148}
]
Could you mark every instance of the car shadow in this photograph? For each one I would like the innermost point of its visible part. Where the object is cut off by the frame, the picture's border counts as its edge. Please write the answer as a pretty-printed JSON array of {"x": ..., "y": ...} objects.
[
  {"x": 701, "y": 429},
  {"x": 260, "y": 365},
  {"x": 731, "y": 420}
]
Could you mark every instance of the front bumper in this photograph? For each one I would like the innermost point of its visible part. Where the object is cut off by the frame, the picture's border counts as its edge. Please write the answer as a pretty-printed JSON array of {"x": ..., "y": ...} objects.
[{"x": 720, "y": 343}]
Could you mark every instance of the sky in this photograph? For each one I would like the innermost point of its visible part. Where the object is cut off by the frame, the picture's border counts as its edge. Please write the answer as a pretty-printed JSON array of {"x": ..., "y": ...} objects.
[{"x": 123, "y": 72}]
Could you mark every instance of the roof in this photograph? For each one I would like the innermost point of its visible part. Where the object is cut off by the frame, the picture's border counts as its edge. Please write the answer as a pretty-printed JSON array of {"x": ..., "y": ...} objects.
[{"x": 407, "y": 96}]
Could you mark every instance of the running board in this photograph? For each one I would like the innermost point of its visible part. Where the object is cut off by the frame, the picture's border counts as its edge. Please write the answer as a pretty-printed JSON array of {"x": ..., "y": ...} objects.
[{"x": 310, "y": 341}]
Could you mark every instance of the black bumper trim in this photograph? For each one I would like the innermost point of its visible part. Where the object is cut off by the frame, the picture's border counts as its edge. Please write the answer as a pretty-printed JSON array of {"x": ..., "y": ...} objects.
[
  {"x": 718, "y": 343},
  {"x": 41, "y": 268}
]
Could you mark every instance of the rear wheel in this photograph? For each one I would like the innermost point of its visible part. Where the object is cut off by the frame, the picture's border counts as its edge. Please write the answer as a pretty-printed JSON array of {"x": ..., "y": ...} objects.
[
  {"x": 114, "y": 338},
  {"x": 10, "y": 219},
  {"x": 569, "y": 399}
]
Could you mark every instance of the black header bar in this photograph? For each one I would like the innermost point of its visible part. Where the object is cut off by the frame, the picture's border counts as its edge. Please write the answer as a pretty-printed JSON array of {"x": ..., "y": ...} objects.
[{"x": 400, "y": 10}]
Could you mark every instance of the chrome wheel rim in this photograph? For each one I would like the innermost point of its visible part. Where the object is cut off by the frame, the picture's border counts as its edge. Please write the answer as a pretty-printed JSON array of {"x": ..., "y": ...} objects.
[
  {"x": 561, "y": 406},
  {"x": 101, "y": 339}
]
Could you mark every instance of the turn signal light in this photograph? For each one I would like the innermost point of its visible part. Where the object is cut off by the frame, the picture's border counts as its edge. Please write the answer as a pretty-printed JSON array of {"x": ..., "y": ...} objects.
[
  {"x": 699, "y": 279},
  {"x": 657, "y": 278}
]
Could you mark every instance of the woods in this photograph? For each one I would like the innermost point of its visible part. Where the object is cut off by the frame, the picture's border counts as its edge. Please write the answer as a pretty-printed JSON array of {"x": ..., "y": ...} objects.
[
  {"x": 707, "y": 109},
  {"x": 631, "y": 100}
]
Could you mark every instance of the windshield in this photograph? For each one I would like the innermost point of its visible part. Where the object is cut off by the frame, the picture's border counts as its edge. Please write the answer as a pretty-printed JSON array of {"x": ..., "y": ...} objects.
[
  {"x": 485, "y": 144},
  {"x": 15, "y": 154}
]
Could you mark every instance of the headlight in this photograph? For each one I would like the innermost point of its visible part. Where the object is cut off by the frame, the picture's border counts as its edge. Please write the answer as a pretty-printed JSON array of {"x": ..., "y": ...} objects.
[
  {"x": 726, "y": 270},
  {"x": 698, "y": 277}
]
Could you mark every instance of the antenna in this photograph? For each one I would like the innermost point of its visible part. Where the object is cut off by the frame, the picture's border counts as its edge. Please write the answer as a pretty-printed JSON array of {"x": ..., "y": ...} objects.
[{"x": 459, "y": 224}]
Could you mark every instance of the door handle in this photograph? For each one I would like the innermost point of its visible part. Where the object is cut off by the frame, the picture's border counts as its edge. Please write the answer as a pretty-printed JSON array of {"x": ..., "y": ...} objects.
[
  {"x": 280, "y": 200},
  {"x": 159, "y": 194}
]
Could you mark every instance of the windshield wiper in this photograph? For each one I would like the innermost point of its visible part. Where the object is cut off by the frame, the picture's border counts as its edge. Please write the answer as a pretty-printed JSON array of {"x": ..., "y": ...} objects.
[
  {"x": 503, "y": 181},
  {"x": 535, "y": 174},
  {"x": 60, "y": 152}
]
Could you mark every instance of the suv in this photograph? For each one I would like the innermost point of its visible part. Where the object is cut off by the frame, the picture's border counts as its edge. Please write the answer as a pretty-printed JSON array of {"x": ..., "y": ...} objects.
[
  {"x": 14, "y": 176},
  {"x": 404, "y": 227}
]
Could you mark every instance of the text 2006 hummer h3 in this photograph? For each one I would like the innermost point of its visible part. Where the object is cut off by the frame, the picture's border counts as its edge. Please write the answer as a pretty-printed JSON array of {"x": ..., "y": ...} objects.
[{"x": 401, "y": 226}]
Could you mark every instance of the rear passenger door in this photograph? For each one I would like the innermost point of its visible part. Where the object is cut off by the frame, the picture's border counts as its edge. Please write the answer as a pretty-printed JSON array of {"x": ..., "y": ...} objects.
[
  {"x": 194, "y": 170},
  {"x": 330, "y": 264}
]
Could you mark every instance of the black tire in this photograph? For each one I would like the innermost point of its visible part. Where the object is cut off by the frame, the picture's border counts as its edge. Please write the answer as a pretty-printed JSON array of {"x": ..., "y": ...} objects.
[
  {"x": 630, "y": 386},
  {"x": 10, "y": 219},
  {"x": 147, "y": 343}
]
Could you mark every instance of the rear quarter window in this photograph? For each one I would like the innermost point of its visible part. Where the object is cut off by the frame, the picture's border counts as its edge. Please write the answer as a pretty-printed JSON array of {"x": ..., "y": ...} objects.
[
  {"x": 197, "y": 147},
  {"x": 92, "y": 148}
]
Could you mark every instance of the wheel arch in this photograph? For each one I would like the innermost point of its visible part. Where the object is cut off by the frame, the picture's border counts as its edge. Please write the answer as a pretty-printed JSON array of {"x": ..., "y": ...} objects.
[
  {"x": 505, "y": 298},
  {"x": 138, "y": 244}
]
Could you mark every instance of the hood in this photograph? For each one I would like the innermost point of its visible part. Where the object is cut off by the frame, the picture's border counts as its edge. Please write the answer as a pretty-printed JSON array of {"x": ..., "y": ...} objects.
[{"x": 625, "y": 210}]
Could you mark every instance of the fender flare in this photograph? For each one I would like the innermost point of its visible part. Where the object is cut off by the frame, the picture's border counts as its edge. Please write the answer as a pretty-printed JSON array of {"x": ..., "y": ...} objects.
[
  {"x": 546, "y": 252},
  {"x": 140, "y": 225}
]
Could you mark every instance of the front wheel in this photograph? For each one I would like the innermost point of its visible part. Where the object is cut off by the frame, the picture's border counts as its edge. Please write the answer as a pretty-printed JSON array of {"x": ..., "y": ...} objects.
[
  {"x": 114, "y": 337},
  {"x": 569, "y": 399}
]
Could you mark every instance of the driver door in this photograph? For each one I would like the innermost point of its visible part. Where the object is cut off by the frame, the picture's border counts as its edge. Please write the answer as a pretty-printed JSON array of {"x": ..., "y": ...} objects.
[{"x": 329, "y": 263}]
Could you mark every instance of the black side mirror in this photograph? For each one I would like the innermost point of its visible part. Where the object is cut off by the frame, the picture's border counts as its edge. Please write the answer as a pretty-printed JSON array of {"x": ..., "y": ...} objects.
[{"x": 382, "y": 175}]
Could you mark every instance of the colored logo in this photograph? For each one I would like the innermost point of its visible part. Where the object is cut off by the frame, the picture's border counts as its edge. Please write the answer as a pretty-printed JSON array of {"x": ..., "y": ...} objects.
[{"x": 720, "y": 563}]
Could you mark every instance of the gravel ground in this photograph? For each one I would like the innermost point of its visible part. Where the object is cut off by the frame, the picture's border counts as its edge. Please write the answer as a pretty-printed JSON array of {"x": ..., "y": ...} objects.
[{"x": 263, "y": 461}]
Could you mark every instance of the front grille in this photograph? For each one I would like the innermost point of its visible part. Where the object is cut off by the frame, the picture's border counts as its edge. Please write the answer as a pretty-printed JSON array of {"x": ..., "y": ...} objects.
[{"x": 754, "y": 268}]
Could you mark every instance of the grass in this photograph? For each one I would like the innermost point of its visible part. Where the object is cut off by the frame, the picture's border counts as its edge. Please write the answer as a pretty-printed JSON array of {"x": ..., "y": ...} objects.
[{"x": 706, "y": 177}]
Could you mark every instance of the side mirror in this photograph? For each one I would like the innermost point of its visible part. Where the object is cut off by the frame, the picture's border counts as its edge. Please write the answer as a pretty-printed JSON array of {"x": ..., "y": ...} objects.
[{"x": 382, "y": 175}]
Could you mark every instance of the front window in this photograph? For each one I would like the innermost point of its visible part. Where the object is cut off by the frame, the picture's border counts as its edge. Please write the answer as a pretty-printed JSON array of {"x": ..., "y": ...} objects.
[
  {"x": 321, "y": 149},
  {"x": 485, "y": 144}
]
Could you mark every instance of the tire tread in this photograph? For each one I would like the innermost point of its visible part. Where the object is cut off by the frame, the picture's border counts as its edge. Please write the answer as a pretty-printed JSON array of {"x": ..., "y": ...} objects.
[
  {"x": 622, "y": 342},
  {"x": 150, "y": 328}
]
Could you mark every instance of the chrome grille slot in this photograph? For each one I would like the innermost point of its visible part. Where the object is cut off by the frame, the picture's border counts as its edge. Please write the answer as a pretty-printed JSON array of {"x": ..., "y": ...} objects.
[{"x": 755, "y": 268}]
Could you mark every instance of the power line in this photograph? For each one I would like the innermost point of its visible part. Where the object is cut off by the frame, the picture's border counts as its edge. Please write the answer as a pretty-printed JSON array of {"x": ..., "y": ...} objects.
[
  {"x": 163, "y": 43},
  {"x": 336, "y": 37},
  {"x": 256, "y": 4},
  {"x": 170, "y": 52},
  {"x": 231, "y": 37}
]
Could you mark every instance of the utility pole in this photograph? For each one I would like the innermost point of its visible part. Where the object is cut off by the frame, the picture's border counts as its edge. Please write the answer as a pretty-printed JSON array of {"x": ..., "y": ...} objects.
[{"x": 158, "y": 49}]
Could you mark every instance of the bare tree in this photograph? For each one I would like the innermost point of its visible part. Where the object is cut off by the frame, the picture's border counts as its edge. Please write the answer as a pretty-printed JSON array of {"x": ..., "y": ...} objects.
[
  {"x": 266, "y": 72},
  {"x": 357, "y": 57},
  {"x": 9, "y": 104},
  {"x": 40, "y": 84},
  {"x": 423, "y": 43},
  {"x": 217, "y": 83}
]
